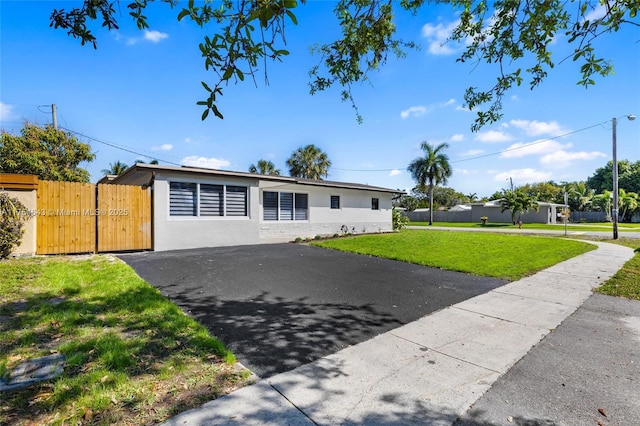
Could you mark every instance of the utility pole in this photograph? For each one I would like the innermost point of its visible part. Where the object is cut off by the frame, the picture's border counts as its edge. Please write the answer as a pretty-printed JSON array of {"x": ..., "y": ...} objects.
[{"x": 54, "y": 116}]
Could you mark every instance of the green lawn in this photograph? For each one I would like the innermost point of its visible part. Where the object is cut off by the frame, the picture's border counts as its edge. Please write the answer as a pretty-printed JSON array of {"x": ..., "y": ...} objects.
[
  {"x": 132, "y": 356},
  {"x": 626, "y": 282},
  {"x": 571, "y": 227},
  {"x": 505, "y": 256}
]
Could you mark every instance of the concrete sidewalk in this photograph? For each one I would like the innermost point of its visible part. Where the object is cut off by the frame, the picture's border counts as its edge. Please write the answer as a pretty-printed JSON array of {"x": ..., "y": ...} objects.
[{"x": 430, "y": 371}]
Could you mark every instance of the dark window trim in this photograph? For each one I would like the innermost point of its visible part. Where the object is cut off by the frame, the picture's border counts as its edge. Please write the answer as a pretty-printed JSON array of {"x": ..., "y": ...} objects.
[
  {"x": 292, "y": 211},
  {"x": 199, "y": 212},
  {"x": 331, "y": 202}
]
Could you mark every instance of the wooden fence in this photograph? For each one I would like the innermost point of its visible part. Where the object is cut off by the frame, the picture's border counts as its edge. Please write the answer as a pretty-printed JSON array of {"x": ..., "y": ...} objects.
[{"x": 81, "y": 217}]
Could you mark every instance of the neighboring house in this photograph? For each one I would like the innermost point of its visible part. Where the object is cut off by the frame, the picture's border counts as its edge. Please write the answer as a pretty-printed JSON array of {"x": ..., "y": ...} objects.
[
  {"x": 196, "y": 207},
  {"x": 547, "y": 213}
]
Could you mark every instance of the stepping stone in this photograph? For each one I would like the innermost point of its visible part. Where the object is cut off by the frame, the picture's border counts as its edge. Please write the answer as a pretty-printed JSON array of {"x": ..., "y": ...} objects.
[{"x": 33, "y": 371}]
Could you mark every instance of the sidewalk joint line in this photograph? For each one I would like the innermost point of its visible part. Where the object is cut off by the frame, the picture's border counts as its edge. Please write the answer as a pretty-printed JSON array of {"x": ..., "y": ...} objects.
[
  {"x": 500, "y": 319},
  {"x": 294, "y": 405},
  {"x": 446, "y": 354}
]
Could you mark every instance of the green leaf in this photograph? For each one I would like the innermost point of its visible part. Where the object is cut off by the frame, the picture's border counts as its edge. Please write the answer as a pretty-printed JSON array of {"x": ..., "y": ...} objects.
[
  {"x": 292, "y": 17},
  {"x": 217, "y": 113},
  {"x": 205, "y": 86},
  {"x": 240, "y": 74},
  {"x": 205, "y": 114},
  {"x": 227, "y": 73},
  {"x": 182, "y": 14}
]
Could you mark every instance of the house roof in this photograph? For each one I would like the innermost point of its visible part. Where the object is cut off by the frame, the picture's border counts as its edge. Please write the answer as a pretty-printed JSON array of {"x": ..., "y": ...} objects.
[{"x": 141, "y": 174}]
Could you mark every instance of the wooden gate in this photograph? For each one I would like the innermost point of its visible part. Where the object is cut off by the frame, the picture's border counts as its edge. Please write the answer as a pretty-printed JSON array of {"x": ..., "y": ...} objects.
[{"x": 81, "y": 217}]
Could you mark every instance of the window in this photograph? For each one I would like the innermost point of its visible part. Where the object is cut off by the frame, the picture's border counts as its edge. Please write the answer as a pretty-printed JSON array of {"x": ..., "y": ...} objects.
[
  {"x": 270, "y": 205},
  {"x": 302, "y": 206},
  {"x": 211, "y": 200},
  {"x": 335, "y": 201},
  {"x": 285, "y": 206},
  {"x": 236, "y": 201},
  {"x": 192, "y": 199},
  {"x": 375, "y": 204},
  {"x": 182, "y": 199}
]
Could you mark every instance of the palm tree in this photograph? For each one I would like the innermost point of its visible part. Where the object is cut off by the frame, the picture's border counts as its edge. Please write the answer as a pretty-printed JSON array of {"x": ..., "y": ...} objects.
[
  {"x": 472, "y": 197},
  {"x": 603, "y": 203},
  {"x": 116, "y": 168},
  {"x": 309, "y": 162},
  {"x": 154, "y": 162},
  {"x": 264, "y": 167},
  {"x": 628, "y": 202},
  {"x": 580, "y": 196},
  {"x": 518, "y": 203},
  {"x": 434, "y": 168}
]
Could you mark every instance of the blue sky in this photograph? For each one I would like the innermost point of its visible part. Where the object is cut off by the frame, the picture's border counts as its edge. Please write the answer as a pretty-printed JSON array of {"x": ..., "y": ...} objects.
[{"x": 139, "y": 90}]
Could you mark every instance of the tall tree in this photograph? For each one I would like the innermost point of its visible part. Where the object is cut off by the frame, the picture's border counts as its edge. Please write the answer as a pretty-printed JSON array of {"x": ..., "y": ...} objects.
[
  {"x": 309, "y": 162},
  {"x": 433, "y": 168},
  {"x": 116, "y": 168},
  {"x": 245, "y": 33},
  {"x": 264, "y": 167},
  {"x": 49, "y": 153},
  {"x": 628, "y": 177}
]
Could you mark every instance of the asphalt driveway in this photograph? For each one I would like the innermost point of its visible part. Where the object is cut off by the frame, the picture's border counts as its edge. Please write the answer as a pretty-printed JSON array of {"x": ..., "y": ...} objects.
[{"x": 279, "y": 306}]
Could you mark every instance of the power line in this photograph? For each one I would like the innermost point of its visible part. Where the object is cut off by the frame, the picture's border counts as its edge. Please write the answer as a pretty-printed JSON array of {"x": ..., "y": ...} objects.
[
  {"x": 122, "y": 148},
  {"x": 527, "y": 145}
]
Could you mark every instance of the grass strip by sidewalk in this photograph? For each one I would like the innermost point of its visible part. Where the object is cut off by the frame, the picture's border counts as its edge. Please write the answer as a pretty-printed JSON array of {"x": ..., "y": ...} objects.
[
  {"x": 571, "y": 227},
  {"x": 132, "y": 356},
  {"x": 626, "y": 282},
  {"x": 505, "y": 256}
]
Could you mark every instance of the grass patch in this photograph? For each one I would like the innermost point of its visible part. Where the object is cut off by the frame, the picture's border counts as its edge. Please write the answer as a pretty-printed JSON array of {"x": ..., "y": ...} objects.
[
  {"x": 572, "y": 227},
  {"x": 132, "y": 356},
  {"x": 626, "y": 282},
  {"x": 505, "y": 256}
]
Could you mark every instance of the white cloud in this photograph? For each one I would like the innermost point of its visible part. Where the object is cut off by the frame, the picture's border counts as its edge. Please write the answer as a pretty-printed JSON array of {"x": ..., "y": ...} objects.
[
  {"x": 473, "y": 152},
  {"x": 458, "y": 137},
  {"x": 597, "y": 13},
  {"x": 522, "y": 176},
  {"x": 414, "y": 111},
  {"x": 437, "y": 38},
  {"x": 154, "y": 36},
  {"x": 450, "y": 102},
  {"x": 562, "y": 159},
  {"x": 395, "y": 172},
  {"x": 208, "y": 163},
  {"x": 493, "y": 136},
  {"x": 6, "y": 112},
  {"x": 537, "y": 128},
  {"x": 520, "y": 149},
  {"x": 163, "y": 147}
]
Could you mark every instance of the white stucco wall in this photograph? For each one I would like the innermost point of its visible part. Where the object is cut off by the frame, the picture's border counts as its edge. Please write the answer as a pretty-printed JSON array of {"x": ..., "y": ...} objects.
[
  {"x": 180, "y": 232},
  {"x": 354, "y": 212},
  {"x": 543, "y": 215},
  {"x": 175, "y": 232}
]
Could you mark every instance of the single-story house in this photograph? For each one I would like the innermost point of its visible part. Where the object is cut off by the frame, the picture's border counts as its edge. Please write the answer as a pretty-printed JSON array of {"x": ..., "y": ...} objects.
[
  {"x": 196, "y": 207},
  {"x": 547, "y": 213}
]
